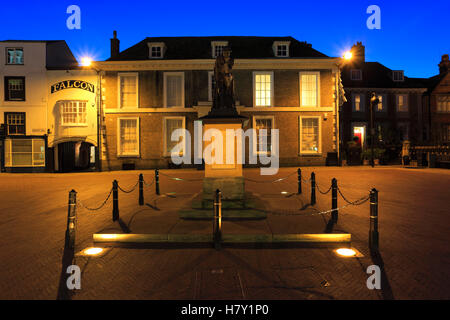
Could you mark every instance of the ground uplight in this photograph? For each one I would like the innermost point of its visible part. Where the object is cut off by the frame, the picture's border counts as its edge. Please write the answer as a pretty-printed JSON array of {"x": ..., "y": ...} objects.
[{"x": 346, "y": 252}]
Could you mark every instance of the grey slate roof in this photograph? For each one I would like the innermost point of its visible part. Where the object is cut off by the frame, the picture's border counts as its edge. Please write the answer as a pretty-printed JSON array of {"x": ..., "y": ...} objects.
[
  {"x": 243, "y": 47},
  {"x": 376, "y": 75}
]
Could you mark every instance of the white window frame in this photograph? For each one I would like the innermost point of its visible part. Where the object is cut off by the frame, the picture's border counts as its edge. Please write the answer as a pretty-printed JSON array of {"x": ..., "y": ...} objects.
[
  {"x": 383, "y": 104},
  {"x": 359, "y": 72},
  {"x": 166, "y": 152},
  {"x": 182, "y": 87},
  {"x": 405, "y": 102},
  {"x": 15, "y": 49},
  {"x": 319, "y": 122},
  {"x": 74, "y": 124},
  {"x": 161, "y": 45},
  {"x": 119, "y": 145},
  {"x": 317, "y": 73},
  {"x": 210, "y": 79},
  {"x": 255, "y": 139},
  {"x": 119, "y": 89},
  {"x": 443, "y": 103},
  {"x": 402, "y": 78},
  {"x": 9, "y": 163},
  {"x": 215, "y": 44},
  {"x": 255, "y": 73},
  {"x": 276, "y": 44},
  {"x": 362, "y": 102}
]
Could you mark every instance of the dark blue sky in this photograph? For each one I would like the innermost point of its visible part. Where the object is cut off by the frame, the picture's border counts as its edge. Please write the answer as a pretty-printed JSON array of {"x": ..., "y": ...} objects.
[{"x": 413, "y": 35}]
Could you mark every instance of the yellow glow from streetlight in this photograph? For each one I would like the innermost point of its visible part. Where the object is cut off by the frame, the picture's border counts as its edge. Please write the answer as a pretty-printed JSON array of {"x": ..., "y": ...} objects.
[
  {"x": 108, "y": 236},
  {"x": 348, "y": 55},
  {"x": 93, "y": 251},
  {"x": 86, "y": 61},
  {"x": 346, "y": 252}
]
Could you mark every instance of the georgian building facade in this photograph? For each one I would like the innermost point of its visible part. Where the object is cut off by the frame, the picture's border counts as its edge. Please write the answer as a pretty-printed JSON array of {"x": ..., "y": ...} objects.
[
  {"x": 162, "y": 84},
  {"x": 401, "y": 114},
  {"x": 439, "y": 102}
]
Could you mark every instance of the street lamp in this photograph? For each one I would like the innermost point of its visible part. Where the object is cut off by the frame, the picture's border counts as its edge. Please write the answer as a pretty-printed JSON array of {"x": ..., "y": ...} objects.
[{"x": 374, "y": 101}]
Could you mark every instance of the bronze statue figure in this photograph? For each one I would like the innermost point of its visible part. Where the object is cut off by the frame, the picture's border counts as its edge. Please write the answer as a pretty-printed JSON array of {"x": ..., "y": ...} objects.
[{"x": 224, "y": 102}]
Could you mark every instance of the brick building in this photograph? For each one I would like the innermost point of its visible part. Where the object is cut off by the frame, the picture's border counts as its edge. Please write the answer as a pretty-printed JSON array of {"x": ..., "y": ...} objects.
[
  {"x": 161, "y": 84},
  {"x": 439, "y": 102},
  {"x": 399, "y": 116}
]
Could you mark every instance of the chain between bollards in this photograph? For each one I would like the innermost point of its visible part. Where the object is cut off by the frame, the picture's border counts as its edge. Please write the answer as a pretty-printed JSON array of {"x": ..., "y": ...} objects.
[
  {"x": 334, "y": 200},
  {"x": 299, "y": 173},
  {"x": 217, "y": 235},
  {"x": 157, "y": 181},
  {"x": 141, "y": 189},
  {"x": 115, "y": 214},
  {"x": 71, "y": 220},
  {"x": 373, "y": 233},
  {"x": 313, "y": 188}
]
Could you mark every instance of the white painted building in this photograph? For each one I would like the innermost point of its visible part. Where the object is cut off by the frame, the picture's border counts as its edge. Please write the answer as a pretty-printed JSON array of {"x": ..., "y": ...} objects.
[
  {"x": 46, "y": 101},
  {"x": 72, "y": 118}
]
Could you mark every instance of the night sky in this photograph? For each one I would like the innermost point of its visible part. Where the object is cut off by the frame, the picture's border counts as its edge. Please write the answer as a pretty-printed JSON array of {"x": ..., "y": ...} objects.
[{"x": 413, "y": 36}]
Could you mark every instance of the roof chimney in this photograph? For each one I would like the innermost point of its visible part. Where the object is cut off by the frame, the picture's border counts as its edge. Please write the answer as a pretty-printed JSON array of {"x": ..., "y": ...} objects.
[
  {"x": 115, "y": 45},
  {"x": 444, "y": 66},
  {"x": 359, "y": 52}
]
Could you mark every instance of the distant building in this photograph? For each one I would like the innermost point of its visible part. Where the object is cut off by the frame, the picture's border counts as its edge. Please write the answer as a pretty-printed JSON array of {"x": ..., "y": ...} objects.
[
  {"x": 400, "y": 114},
  {"x": 161, "y": 84},
  {"x": 439, "y": 101}
]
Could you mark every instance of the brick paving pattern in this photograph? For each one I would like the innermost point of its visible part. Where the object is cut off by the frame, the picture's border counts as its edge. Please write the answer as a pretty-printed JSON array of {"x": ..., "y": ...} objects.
[{"x": 414, "y": 226}]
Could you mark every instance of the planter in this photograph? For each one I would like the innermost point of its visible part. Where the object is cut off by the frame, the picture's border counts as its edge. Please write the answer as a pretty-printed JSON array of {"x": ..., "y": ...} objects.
[
  {"x": 366, "y": 162},
  {"x": 376, "y": 162}
]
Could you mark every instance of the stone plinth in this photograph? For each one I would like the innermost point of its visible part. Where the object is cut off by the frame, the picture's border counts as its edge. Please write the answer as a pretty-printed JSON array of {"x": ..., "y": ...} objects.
[{"x": 226, "y": 176}]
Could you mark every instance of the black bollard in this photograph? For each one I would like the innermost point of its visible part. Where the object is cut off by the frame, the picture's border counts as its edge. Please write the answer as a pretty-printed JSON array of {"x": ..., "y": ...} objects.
[
  {"x": 334, "y": 204},
  {"x": 115, "y": 215},
  {"x": 299, "y": 173},
  {"x": 157, "y": 181},
  {"x": 373, "y": 233},
  {"x": 71, "y": 220},
  {"x": 218, "y": 220},
  {"x": 141, "y": 189},
  {"x": 313, "y": 188}
]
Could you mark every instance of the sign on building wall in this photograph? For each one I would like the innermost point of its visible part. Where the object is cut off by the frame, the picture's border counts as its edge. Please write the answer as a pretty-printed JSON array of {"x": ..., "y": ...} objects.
[{"x": 73, "y": 84}]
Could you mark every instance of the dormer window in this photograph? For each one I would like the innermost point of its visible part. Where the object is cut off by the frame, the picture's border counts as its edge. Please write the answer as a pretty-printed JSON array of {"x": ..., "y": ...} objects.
[
  {"x": 398, "y": 75},
  {"x": 356, "y": 74},
  {"x": 281, "y": 49},
  {"x": 217, "y": 48},
  {"x": 156, "y": 50}
]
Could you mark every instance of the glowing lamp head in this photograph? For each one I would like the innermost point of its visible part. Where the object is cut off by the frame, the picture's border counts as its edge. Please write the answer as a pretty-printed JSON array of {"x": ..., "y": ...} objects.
[
  {"x": 348, "y": 55},
  {"x": 86, "y": 61}
]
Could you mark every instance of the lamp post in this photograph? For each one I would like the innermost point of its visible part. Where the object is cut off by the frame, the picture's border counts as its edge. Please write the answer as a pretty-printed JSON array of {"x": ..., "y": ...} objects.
[
  {"x": 373, "y": 103},
  {"x": 346, "y": 58},
  {"x": 88, "y": 63}
]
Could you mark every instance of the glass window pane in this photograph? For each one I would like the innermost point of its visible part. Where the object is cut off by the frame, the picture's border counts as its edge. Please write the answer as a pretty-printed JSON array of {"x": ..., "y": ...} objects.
[
  {"x": 171, "y": 125},
  {"x": 128, "y": 136},
  {"x": 263, "y": 90},
  {"x": 310, "y": 135},
  {"x": 309, "y": 90},
  {"x": 128, "y": 91}
]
